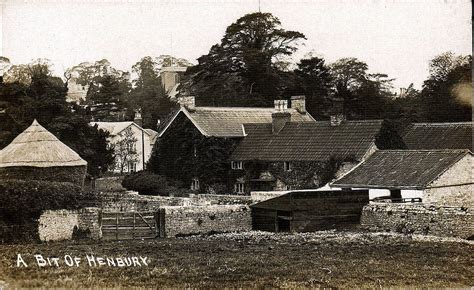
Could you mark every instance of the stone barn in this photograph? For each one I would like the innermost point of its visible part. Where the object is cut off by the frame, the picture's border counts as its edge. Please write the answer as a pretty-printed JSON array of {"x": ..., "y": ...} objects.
[
  {"x": 37, "y": 154},
  {"x": 430, "y": 176},
  {"x": 309, "y": 210}
]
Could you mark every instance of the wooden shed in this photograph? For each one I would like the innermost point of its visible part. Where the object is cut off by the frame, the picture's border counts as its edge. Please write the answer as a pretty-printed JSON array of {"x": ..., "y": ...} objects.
[{"x": 311, "y": 210}]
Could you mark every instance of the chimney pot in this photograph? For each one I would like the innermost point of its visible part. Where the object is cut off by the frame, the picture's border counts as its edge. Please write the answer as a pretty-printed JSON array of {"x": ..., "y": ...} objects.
[
  {"x": 281, "y": 105},
  {"x": 299, "y": 103},
  {"x": 138, "y": 119},
  {"x": 189, "y": 102}
]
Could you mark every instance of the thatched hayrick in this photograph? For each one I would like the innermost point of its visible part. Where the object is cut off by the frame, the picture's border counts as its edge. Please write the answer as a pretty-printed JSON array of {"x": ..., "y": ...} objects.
[{"x": 36, "y": 154}]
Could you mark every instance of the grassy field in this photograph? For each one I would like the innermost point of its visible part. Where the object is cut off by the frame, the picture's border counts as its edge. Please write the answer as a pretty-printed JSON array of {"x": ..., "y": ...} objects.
[{"x": 324, "y": 259}]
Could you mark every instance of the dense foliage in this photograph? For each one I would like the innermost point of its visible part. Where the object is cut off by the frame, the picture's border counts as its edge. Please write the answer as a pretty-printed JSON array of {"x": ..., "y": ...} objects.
[
  {"x": 184, "y": 153},
  {"x": 22, "y": 202},
  {"x": 147, "y": 183},
  {"x": 43, "y": 97},
  {"x": 246, "y": 67}
]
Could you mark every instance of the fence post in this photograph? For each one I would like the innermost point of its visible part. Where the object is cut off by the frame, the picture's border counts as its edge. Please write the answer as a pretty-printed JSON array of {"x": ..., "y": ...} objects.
[{"x": 116, "y": 225}]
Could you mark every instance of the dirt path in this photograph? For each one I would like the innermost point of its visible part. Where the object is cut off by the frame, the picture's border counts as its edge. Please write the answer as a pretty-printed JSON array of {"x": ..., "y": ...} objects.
[{"x": 253, "y": 259}]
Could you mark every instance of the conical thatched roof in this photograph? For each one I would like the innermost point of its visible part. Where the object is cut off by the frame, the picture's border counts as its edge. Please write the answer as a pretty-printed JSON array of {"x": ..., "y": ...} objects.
[{"x": 36, "y": 147}]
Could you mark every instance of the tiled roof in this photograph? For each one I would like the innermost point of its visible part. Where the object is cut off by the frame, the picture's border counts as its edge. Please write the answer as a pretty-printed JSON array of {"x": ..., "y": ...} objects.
[
  {"x": 228, "y": 121},
  {"x": 409, "y": 169},
  {"x": 439, "y": 136},
  {"x": 308, "y": 141}
]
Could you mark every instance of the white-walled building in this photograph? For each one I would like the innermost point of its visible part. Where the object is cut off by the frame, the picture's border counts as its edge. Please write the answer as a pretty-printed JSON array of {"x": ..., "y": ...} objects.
[
  {"x": 138, "y": 154},
  {"x": 435, "y": 176}
]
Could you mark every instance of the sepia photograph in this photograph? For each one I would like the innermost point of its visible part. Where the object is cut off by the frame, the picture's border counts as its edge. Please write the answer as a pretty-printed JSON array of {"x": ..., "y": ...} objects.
[{"x": 236, "y": 144}]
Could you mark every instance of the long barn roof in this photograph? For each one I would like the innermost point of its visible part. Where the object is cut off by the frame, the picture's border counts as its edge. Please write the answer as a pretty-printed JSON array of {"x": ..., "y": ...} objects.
[
  {"x": 37, "y": 147},
  {"x": 401, "y": 169},
  {"x": 439, "y": 136}
]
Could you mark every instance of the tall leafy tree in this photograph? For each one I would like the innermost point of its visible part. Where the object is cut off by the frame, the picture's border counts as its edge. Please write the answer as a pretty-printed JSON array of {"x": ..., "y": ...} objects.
[
  {"x": 447, "y": 93},
  {"x": 43, "y": 98},
  {"x": 244, "y": 68},
  {"x": 314, "y": 80},
  {"x": 148, "y": 94},
  {"x": 365, "y": 95}
]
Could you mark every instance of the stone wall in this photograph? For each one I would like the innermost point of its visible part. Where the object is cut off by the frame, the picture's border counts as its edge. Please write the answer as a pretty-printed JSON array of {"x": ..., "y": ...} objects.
[
  {"x": 213, "y": 199},
  {"x": 189, "y": 220},
  {"x": 419, "y": 218},
  {"x": 127, "y": 201},
  {"x": 454, "y": 187},
  {"x": 56, "y": 225},
  {"x": 109, "y": 184},
  {"x": 258, "y": 196},
  {"x": 135, "y": 202}
]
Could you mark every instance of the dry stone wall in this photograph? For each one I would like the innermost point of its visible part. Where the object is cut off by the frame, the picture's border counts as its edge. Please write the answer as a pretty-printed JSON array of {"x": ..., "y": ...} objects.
[
  {"x": 220, "y": 199},
  {"x": 56, "y": 225},
  {"x": 135, "y": 202},
  {"x": 189, "y": 220},
  {"x": 419, "y": 218}
]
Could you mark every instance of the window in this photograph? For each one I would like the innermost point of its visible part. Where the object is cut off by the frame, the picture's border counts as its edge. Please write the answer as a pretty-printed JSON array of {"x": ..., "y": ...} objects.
[
  {"x": 132, "y": 166},
  {"x": 239, "y": 187},
  {"x": 286, "y": 166},
  {"x": 195, "y": 184},
  {"x": 237, "y": 164}
]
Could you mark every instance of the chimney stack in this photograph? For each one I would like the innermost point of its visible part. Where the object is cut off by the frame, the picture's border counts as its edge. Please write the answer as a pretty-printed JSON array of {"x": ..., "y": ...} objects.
[
  {"x": 337, "y": 112},
  {"x": 189, "y": 102},
  {"x": 299, "y": 103},
  {"x": 138, "y": 118},
  {"x": 280, "y": 116}
]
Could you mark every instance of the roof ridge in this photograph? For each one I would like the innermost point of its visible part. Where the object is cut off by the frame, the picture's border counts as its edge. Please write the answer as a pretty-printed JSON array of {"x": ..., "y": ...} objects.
[
  {"x": 426, "y": 150},
  {"x": 443, "y": 123}
]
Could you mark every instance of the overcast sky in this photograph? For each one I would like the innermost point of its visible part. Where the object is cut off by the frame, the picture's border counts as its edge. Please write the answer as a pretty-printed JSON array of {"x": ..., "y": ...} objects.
[{"x": 394, "y": 37}]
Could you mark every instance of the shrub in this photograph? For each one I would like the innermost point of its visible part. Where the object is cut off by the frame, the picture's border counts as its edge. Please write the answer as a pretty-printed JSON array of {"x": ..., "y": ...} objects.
[
  {"x": 23, "y": 201},
  {"x": 147, "y": 183}
]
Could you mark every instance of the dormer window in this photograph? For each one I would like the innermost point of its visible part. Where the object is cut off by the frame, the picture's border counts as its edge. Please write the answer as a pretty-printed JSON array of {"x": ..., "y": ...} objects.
[
  {"x": 286, "y": 166},
  {"x": 237, "y": 165}
]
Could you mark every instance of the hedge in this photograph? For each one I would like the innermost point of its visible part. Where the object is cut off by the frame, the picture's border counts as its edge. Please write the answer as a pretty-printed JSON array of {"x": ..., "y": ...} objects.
[
  {"x": 22, "y": 202},
  {"x": 147, "y": 183}
]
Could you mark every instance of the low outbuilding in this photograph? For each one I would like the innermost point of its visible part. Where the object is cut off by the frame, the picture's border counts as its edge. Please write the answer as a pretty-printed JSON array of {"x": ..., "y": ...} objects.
[
  {"x": 430, "y": 176},
  {"x": 37, "y": 154},
  {"x": 309, "y": 210}
]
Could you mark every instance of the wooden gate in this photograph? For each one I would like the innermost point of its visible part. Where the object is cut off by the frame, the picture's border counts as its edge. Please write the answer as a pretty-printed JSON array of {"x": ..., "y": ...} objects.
[{"x": 128, "y": 225}]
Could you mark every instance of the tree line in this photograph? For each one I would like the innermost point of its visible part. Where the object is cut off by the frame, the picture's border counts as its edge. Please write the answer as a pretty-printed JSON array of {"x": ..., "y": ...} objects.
[{"x": 250, "y": 66}]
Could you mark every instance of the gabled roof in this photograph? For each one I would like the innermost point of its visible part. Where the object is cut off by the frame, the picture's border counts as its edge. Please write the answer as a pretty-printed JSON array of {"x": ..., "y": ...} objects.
[
  {"x": 308, "y": 141},
  {"x": 36, "y": 147},
  {"x": 401, "y": 169},
  {"x": 114, "y": 128},
  {"x": 439, "y": 136},
  {"x": 228, "y": 121}
]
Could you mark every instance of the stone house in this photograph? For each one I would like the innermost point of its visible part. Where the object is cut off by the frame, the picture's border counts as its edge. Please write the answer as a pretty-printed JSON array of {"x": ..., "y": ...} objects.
[
  {"x": 288, "y": 155},
  {"x": 439, "y": 136},
  {"x": 36, "y": 154},
  {"x": 136, "y": 155},
  {"x": 198, "y": 139},
  {"x": 430, "y": 176}
]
